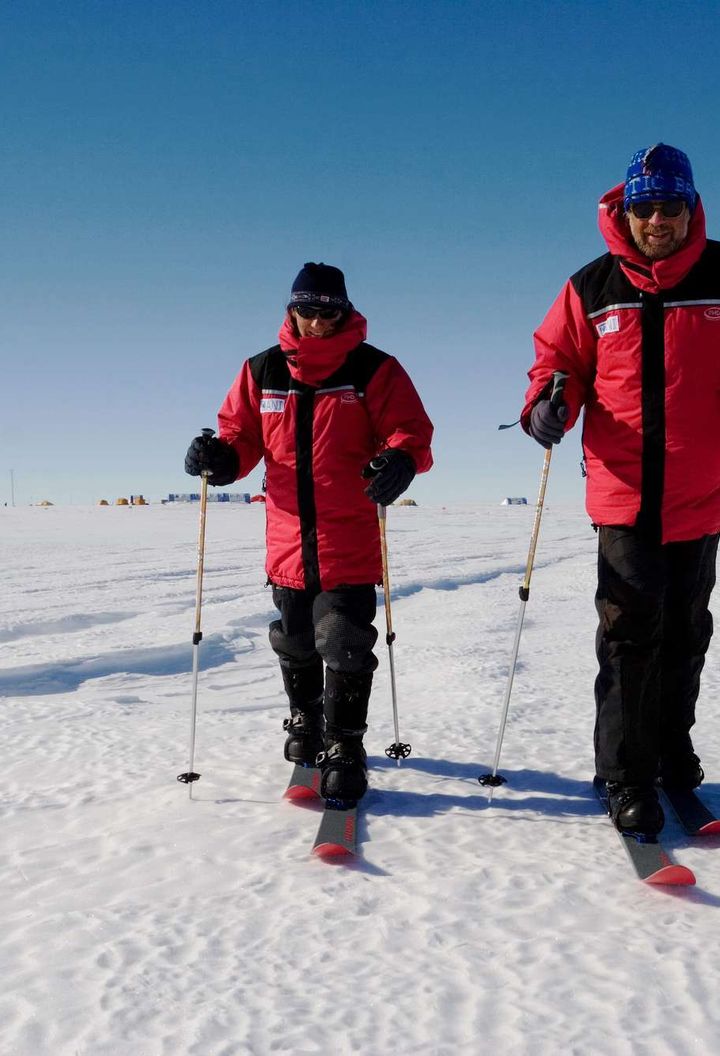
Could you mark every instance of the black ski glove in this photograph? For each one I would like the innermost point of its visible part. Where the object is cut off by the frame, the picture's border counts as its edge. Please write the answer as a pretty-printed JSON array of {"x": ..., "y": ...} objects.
[
  {"x": 216, "y": 456},
  {"x": 547, "y": 423},
  {"x": 392, "y": 472}
]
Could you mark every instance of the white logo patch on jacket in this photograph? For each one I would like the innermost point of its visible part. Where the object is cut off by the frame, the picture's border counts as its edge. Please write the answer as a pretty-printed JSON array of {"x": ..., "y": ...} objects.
[
  {"x": 611, "y": 325},
  {"x": 271, "y": 405}
]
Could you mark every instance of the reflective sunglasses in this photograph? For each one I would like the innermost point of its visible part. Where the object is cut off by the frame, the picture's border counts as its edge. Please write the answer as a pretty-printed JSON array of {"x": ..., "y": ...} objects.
[
  {"x": 306, "y": 312},
  {"x": 644, "y": 210}
]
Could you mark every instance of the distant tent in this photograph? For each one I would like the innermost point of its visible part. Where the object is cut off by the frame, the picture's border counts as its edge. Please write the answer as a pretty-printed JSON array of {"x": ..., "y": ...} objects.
[
  {"x": 514, "y": 502},
  {"x": 138, "y": 500},
  {"x": 121, "y": 502},
  {"x": 103, "y": 502},
  {"x": 46, "y": 502},
  {"x": 407, "y": 502},
  {"x": 258, "y": 498}
]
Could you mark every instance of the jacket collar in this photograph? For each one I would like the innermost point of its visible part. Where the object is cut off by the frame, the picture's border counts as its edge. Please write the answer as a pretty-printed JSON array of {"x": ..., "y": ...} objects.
[
  {"x": 643, "y": 273},
  {"x": 312, "y": 359}
]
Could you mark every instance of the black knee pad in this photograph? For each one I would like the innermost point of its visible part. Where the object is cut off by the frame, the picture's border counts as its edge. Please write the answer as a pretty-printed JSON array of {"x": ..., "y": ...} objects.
[
  {"x": 344, "y": 645},
  {"x": 292, "y": 648}
]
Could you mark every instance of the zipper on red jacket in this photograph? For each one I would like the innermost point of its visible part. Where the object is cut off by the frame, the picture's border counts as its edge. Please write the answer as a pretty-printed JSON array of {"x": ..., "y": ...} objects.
[
  {"x": 304, "y": 412},
  {"x": 652, "y": 318}
]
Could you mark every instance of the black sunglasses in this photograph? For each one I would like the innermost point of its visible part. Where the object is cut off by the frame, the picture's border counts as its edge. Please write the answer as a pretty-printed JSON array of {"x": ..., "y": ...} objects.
[
  {"x": 644, "y": 210},
  {"x": 306, "y": 312}
]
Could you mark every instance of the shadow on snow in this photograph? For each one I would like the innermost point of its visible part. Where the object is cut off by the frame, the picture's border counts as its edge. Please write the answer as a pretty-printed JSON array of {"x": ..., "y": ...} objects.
[
  {"x": 64, "y": 676},
  {"x": 546, "y": 792}
]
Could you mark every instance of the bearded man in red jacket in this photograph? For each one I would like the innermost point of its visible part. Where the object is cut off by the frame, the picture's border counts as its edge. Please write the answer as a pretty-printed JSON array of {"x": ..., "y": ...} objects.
[
  {"x": 637, "y": 331},
  {"x": 319, "y": 408}
]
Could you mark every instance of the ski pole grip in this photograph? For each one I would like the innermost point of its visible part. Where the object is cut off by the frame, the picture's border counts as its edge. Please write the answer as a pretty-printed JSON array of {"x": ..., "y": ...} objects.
[
  {"x": 207, "y": 434},
  {"x": 558, "y": 386},
  {"x": 374, "y": 466}
]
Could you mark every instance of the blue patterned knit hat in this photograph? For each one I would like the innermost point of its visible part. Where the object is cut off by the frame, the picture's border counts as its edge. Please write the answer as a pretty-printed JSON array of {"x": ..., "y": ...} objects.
[
  {"x": 320, "y": 285},
  {"x": 659, "y": 173}
]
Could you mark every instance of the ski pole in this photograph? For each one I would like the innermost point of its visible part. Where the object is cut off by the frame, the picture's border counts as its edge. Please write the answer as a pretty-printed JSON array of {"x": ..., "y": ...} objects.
[
  {"x": 493, "y": 779},
  {"x": 398, "y": 750},
  {"x": 190, "y": 776}
]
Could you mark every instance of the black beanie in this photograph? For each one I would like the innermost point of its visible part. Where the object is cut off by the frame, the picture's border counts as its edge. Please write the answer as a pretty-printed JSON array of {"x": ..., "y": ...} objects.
[{"x": 320, "y": 285}]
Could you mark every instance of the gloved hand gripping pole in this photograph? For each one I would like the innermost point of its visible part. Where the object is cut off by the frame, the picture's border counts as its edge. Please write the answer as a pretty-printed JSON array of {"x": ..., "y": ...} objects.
[
  {"x": 398, "y": 750},
  {"x": 190, "y": 776},
  {"x": 494, "y": 779}
]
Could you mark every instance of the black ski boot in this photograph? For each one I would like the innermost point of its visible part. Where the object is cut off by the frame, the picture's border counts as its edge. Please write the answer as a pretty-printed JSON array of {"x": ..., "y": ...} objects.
[
  {"x": 304, "y": 736},
  {"x": 343, "y": 766},
  {"x": 305, "y": 727},
  {"x": 681, "y": 773},
  {"x": 635, "y": 809},
  {"x": 344, "y": 762}
]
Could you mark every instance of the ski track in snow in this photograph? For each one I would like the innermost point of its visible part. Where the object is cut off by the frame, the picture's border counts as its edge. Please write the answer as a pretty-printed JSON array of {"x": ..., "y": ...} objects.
[{"x": 135, "y": 919}]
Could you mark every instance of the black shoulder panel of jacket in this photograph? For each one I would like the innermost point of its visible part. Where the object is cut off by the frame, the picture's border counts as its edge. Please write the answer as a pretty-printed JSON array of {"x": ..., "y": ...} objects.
[
  {"x": 270, "y": 370},
  {"x": 602, "y": 283},
  {"x": 359, "y": 367},
  {"x": 702, "y": 282}
]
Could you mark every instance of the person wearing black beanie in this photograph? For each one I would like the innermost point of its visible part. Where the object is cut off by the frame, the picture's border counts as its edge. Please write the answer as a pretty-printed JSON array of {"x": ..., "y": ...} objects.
[
  {"x": 319, "y": 408},
  {"x": 320, "y": 285}
]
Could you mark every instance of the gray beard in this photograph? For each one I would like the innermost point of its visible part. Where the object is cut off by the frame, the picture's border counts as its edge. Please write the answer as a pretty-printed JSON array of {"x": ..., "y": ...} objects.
[{"x": 658, "y": 252}]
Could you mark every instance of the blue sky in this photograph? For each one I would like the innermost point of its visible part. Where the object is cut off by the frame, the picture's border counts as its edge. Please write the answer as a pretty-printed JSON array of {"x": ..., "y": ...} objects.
[{"x": 167, "y": 167}]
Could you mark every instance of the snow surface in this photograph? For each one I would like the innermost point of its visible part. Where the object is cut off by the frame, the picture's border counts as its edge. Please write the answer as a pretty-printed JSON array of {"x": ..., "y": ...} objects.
[{"x": 136, "y": 919}]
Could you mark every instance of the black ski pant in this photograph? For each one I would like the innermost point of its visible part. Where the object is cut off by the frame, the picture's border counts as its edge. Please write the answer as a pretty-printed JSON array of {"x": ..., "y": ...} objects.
[
  {"x": 334, "y": 626},
  {"x": 654, "y": 632}
]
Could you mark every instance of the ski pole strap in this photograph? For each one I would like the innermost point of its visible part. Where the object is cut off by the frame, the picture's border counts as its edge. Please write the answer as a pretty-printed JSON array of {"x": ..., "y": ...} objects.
[{"x": 558, "y": 386}]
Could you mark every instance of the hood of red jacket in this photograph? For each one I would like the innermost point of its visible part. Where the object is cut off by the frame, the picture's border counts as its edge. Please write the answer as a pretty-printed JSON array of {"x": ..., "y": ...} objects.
[
  {"x": 312, "y": 359},
  {"x": 646, "y": 274}
]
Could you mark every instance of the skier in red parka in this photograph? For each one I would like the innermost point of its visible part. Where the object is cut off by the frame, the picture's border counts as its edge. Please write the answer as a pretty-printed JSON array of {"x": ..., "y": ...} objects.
[
  {"x": 637, "y": 331},
  {"x": 319, "y": 407}
]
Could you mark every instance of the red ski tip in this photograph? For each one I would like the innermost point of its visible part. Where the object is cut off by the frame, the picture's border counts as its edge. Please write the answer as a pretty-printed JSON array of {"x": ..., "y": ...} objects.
[
  {"x": 300, "y": 792},
  {"x": 332, "y": 850},
  {"x": 711, "y": 829},
  {"x": 677, "y": 875}
]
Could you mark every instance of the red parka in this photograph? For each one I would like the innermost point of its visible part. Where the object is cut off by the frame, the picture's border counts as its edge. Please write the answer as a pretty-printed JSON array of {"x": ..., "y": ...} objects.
[
  {"x": 640, "y": 340},
  {"x": 317, "y": 410}
]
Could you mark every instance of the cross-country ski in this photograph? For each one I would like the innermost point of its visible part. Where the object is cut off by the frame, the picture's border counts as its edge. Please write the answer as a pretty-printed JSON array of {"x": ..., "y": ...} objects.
[
  {"x": 650, "y": 860},
  {"x": 337, "y": 832},
  {"x": 695, "y": 817}
]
